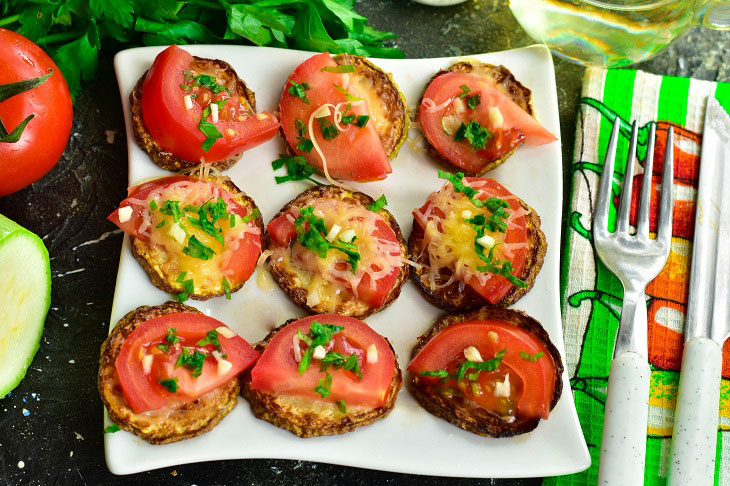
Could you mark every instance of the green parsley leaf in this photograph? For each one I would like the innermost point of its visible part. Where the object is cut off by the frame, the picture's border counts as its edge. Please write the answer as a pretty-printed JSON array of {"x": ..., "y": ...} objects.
[
  {"x": 473, "y": 101},
  {"x": 171, "y": 336},
  {"x": 319, "y": 335},
  {"x": 329, "y": 130},
  {"x": 209, "y": 130},
  {"x": 341, "y": 405},
  {"x": 305, "y": 145},
  {"x": 211, "y": 337},
  {"x": 171, "y": 208},
  {"x": 191, "y": 360},
  {"x": 345, "y": 68},
  {"x": 161, "y": 224},
  {"x": 473, "y": 133},
  {"x": 210, "y": 82},
  {"x": 465, "y": 91},
  {"x": 531, "y": 357},
  {"x": 299, "y": 91},
  {"x": 188, "y": 287},
  {"x": 226, "y": 288},
  {"x": 378, "y": 205},
  {"x": 153, "y": 205},
  {"x": 250, "y": 217},
  {"x": 111, "y": 429},
  {"x": 297, "y": 169},
  {"x": 348, "y": 96},
  {"x": 314, "y": 238},
  {"x": 352, "y": 365},
  {"x": 197, "y": 249},
  {"x": 486, "y": 366},
  {"x": 347, "y": 120},
  {"x": 164, "y": 348},
  {"x": 324, "y": 385},
  {"x": 169, "y": 385},
  {"x": 435, "y": 374},
  {"x": 332, "y": 358},
  {"x": 209, "y": 214},
  {"x": 362, "y": 120},
  {"x": 458, "y": 182}
]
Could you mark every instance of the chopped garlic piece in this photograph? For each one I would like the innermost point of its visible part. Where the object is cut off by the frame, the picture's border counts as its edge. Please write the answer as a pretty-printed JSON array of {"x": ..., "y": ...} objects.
[
  {"x": 495, "y": 117},
  {"x": 486, "y": 241},
  {"x": 493, "y": 336},
  {"x": 348, "y": 235},
  {"x": 372, "y": 354},
  {"x": 466, "y": 214},
  {"x": 124, "y": 214},
  {"x": 226, "y": 332},
  {"x": 177, "y": 233},
  {"x": 217, "y": 355},
  {"x": 319, "y": 352},
  {"x": 334, "y": 231},
  {"x": 502, "y": 389},
  {"x": 224, "y": 366},
  {"x": 231, "y": 132},
  {"x": 262, "y": 116},
  {"x": 214, "y": 112},
  {"x": 147, "y": 363},
  {"x": 472, "y": 354},
  {"x": 313, "y": 298},
  {"x": 323, "y": 110},
  {"x": 188, "y": 102},
  {"x": 459, "y": 106},
  {"x": 296, "y": 348}
]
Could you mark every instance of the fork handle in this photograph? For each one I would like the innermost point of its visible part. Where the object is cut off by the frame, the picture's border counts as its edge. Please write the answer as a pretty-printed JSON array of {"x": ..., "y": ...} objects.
[
  {"x": 695, "y": 420},
  {"x": 623, "y": 448}
]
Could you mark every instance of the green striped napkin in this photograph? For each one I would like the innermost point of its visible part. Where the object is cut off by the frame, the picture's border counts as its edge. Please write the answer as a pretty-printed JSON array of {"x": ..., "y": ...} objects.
[{"x": 592, "y": 295}]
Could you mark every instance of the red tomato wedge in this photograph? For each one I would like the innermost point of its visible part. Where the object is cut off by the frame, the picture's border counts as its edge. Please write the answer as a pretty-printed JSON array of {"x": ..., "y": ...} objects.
[
  {"x": 282, "y": 232},
  {"x": 356, "y": 154},
  {"x": 175, "y": 127},
  {"x": 238, "y": 263},
  {"x": 515, "y": 238},
  {"x": 438, "y": 112},
  {"x": 144, "y": 392},
  {"x": 277, "y": 370},
  {"x": 538, "y": 378}
]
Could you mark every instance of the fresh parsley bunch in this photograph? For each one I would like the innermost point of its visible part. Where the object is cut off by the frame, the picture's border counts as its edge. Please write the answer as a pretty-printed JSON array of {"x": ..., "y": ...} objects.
[{"x": 74, "y": 31}]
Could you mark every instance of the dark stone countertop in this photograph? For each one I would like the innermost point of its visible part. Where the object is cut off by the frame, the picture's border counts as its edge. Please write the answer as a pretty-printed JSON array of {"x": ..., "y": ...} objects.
[{"x": 59, "y": 441}]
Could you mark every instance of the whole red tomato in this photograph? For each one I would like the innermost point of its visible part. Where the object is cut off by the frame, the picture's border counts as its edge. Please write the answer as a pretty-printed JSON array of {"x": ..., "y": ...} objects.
[{"x": 44, "y": 138}]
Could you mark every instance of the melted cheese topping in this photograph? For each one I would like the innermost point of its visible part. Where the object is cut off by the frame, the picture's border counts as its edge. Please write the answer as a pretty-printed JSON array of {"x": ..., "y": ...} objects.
[
  {"x": 330, "y": 281},
  {"x": 205, "y": 273},
  {"x": 449, "y": 240}
]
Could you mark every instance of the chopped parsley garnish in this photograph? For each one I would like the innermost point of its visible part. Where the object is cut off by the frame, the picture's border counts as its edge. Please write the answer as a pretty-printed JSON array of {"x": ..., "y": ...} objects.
[
  {"x": 501, "y": 268},
  {"x": 188, "y": 287},
  {"x": 465, "y": 91},
  {"x": 191, "y": 360},
  {"x": 435, "y": 374},
  {"x": 345, "y": 68},
  {"x": 458, "y": 182},
  {"x": 171, "y": 208},
  {"x": 111, "y": 429},
  {"x": 348, "y": 96},
  {"x": 347, "y": 120},
  {"x": 473, "y": 101},
  {"x": 209, "y": 214},
  {"x": 329, "y": 130},
  {"x": 324, "y": 385},
  {"x": 497, "y": 222},
  {"x": 486, "y": 366},
  {"x": 226, "y": 288},
  {"x": 209, "y": 130},
  {"x": 297, "y": 169},
  {"x": 197, "y": 249},
  {"x": 473, "y": 133},
  {"x": 305, "y": 144},
  {"x": 341, "y": 405},
  {"x": 299, "y": 91},
  {"x": 171, "y": 336},
  {"x": 531, "y": 357},
  {"x": 165, "y": 348},
  {"x": 250, "y": 217},
  {"x": 169, "y": 385},
  {"x": 161, "y": 224},
  {"x": 314, "y": 238},
  {"x": 153, "y": 205},
  {"x": 186, "y": 87},
  {"x": 378, "y": 205},
  {"x": 319, "y": 335},
  {"x": 337, "y": 361},
  {"x": 362, "y": 120},
  {"x": 211, "y": 337},
  {"x": 205, "y": 81},
  {"x": 352, "y": 365}
]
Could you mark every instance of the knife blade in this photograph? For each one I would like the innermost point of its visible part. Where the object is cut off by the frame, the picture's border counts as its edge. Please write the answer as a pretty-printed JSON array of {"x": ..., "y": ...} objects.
[{"x": 694, "y": 437}]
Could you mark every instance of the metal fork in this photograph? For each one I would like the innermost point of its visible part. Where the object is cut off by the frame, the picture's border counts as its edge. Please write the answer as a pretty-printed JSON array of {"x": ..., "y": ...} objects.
[{"x": 635, "y": 260}]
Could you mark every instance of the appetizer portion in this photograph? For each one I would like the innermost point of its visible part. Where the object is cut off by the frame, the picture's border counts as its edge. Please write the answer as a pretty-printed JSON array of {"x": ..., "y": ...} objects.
[
  {"x": 475, "y": 244},
  {"x": 188, "y": 111},
  {"x": 195, "y": 235},
  {"x": 493, "y": 372},
  {"x": 345, "y": 116},
  {"x": 168, "y": 372},
  {"x": 323, "y": 375},
  {"x": 475, "y": 115},
  {"x": 335, "y": 250}
]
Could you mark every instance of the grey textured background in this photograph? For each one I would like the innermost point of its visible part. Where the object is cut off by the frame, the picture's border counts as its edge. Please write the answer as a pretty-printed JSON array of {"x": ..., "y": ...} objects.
[{"x": 60, "y": 439}]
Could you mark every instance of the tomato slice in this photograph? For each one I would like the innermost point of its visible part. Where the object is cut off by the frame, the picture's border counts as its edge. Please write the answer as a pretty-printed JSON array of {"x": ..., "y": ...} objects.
[
  {"x": 515, "y": 238},
  {"x": 282, "y": 232},
  {"x": 509, "y": 129},
  {"x": 534, "y": 394},
  {"x": 277, "y": 370},
  {"x": 357, "y": 154},
  {"x": 175, "y": 127},
  {"x": 144, "y": 392},
  {"x": 239, "y": 260}
]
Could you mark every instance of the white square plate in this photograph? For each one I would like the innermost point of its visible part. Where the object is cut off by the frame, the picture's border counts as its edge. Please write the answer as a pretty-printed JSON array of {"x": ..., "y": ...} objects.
[{"x": 410, "y": 440}]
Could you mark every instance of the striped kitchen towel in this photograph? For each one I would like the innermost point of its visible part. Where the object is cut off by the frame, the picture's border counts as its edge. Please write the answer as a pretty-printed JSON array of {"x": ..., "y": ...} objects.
[{"x": 591, "y": 293}]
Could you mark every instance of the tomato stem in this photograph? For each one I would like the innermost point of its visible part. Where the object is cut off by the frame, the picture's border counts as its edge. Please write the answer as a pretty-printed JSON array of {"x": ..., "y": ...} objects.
[{"x": 9, "y": 20}]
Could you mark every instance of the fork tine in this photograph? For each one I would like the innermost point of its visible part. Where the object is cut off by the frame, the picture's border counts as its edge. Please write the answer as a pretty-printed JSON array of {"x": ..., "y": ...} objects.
[
  {"x": 622, "y": 222},
  {"x": 664, "y": 232},
  {"x": 642, "y": 225},
  {"x": 600, "y": 217}
]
